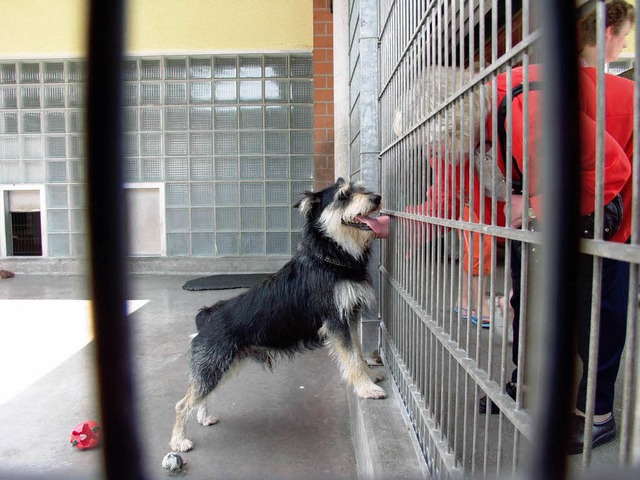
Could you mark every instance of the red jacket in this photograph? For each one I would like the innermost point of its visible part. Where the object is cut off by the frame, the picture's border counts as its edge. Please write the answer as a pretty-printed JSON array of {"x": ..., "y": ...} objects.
[
  {"x": 619, "y": 124},
  {"x": 617, "y": 165}
]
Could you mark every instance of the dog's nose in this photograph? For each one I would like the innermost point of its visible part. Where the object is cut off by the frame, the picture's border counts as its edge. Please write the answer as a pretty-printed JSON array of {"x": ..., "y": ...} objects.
[{"x": 375, "y": 199}]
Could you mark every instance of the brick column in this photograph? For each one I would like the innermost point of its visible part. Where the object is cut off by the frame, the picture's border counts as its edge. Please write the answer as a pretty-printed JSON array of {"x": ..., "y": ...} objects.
[{"x": 323, "y": 93}]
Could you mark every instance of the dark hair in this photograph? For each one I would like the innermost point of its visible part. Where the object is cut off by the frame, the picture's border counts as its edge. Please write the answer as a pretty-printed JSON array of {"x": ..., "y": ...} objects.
[{"x": 617, "y": 12}]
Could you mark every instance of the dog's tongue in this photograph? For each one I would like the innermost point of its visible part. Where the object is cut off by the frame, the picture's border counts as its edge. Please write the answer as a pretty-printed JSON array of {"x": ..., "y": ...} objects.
[{"x": 380, "y": 225}]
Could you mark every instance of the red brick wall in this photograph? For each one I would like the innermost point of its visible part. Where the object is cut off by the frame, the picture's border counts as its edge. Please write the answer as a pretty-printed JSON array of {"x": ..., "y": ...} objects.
[{"x": 323, "y": 93}]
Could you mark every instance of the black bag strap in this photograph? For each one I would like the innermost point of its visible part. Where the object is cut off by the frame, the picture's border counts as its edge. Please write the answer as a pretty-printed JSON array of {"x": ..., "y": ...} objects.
[{"x": 516, "y": 183}]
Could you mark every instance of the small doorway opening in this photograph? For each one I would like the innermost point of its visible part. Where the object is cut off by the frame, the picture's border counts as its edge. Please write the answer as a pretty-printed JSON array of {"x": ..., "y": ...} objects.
[
  {"x": 24, "y": 223},
  {"x": 26, "y": 235}
]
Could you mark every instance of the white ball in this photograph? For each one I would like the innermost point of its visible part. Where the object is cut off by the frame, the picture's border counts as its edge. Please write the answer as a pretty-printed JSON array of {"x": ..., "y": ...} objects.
[{"x": 172, "y": 462}]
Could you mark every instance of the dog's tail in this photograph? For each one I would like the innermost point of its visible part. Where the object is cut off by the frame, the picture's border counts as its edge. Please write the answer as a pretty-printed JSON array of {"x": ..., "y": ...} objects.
[{"x": 203, "y": 317}]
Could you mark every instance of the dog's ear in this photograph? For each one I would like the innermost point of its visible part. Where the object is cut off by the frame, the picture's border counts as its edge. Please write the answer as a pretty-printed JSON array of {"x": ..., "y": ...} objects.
[
  {"x": 343, "y": 189},
  {"x": 340, "y": 181},
  {"x": 306, "y": 203}
]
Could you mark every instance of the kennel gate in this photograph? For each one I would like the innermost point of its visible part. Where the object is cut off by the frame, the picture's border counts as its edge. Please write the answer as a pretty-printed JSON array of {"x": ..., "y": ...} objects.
[{"x": 441, "y": 362}]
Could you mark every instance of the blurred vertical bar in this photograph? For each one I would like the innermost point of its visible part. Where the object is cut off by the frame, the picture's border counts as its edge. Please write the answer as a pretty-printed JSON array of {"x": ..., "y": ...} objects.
[
  {"x": 630, "y": 422},
  {"x": 369, "y": 151},
  {"x": 594, "y": 332},
  {"x": 107, "y": 234},
  {"x": 560, "y": 167}
]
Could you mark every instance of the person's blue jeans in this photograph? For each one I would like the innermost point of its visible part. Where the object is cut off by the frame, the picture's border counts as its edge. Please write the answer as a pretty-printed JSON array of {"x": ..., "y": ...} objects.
[{"x": 613, "y": 328}]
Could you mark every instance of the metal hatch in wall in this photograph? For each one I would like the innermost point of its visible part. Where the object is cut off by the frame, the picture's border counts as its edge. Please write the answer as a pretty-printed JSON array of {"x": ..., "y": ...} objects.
[{"x": 146, "y": 221}]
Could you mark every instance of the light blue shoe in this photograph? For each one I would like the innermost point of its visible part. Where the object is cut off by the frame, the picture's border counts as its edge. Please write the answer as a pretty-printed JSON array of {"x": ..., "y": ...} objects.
[
  {"x": 465, "y": 313},
  {"x": 485, "y": 321}
]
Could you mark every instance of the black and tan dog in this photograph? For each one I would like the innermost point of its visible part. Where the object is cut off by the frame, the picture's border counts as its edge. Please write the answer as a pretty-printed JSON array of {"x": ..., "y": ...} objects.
[{"x": 315, "y": 299}]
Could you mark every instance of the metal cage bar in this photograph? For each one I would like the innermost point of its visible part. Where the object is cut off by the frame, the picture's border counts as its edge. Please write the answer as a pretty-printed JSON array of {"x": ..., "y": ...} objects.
[{"x": 442, "y": 362}]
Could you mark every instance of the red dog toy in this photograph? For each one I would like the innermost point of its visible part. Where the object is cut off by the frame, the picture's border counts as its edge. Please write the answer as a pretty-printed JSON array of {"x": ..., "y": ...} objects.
[{"x": 85, "y": 435}]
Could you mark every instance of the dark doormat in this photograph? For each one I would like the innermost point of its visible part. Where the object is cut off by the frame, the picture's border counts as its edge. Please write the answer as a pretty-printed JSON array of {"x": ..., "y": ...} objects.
[{"x": 226, "y": 281}]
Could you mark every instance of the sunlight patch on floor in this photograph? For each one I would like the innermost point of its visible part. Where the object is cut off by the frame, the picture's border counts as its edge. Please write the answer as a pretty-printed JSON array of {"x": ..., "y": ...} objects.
[{"x": 39, "y": 335}]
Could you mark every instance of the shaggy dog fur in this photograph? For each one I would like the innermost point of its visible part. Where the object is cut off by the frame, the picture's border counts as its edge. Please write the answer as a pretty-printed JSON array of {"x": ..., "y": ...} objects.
[{"x": 315, "y": 299}]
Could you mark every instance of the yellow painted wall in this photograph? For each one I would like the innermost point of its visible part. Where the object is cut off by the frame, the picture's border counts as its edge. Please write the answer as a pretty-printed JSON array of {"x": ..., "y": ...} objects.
[
  {"x": 220, "y": 25},
  {"x": 42, "y": 28},
  {"x": 49, "y": 28}
]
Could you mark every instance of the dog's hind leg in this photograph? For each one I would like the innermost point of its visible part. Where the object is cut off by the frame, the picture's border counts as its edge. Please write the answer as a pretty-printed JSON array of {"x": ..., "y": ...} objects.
[
  {"x": 193, "y": 400},
  {"x": 354, "y": 369},
  {"x": 207, "y": 371},
  {"x": 203, "y": 416},
  {"x": 179, "y": 441}
]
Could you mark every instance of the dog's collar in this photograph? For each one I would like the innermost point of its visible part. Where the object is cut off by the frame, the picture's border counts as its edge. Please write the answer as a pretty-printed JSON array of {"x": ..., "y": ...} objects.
[{"x": 332, "y": 261}]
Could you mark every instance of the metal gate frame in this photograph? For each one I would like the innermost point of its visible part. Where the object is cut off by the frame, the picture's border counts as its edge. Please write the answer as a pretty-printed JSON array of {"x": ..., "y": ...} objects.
[{"x": 440, "y": 364}]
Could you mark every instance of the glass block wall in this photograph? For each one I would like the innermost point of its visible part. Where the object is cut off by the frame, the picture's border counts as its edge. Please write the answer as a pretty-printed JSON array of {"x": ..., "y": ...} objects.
[
  {"x": 41, "y": 142},
  {"x": 231, "y": 137}
]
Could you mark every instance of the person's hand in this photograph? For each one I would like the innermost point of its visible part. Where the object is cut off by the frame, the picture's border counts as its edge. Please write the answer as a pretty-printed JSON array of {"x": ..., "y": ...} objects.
[{"x": 516, "y": 211}]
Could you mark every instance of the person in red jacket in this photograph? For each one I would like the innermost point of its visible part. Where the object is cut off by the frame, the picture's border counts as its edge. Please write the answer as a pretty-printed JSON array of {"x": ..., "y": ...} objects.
[
  {"x": 457, "y": 193},
  {"x": 617, "y": 172},
  {"x": 619, "y": 102},
  {"x": 452, "y": 197},
  {"x": 619, "y": 111},
  {"x": 617, "y": 175},
  {"x": 618, "y": 140}
]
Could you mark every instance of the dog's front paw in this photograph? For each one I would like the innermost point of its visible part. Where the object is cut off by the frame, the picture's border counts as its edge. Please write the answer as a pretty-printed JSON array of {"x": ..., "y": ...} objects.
[
  {"x": 181, "y": 445},
  {"x": 371, "y": 391}
]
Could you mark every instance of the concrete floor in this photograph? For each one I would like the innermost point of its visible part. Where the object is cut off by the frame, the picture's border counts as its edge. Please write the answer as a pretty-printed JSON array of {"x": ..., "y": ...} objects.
[{"x": 294, "y": 423}]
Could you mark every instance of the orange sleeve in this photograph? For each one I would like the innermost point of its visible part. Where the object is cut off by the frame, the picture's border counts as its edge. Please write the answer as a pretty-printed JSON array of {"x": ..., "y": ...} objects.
[{"x": 441, "y": 198}]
